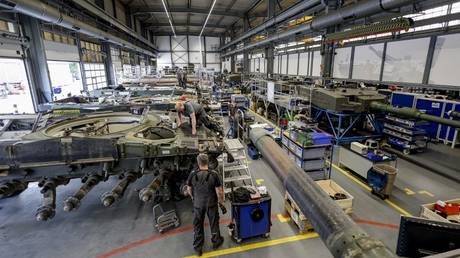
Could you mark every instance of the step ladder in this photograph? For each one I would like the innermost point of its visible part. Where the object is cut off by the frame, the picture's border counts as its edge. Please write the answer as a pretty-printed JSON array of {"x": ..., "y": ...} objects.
[{"x": 235, "y": 173}]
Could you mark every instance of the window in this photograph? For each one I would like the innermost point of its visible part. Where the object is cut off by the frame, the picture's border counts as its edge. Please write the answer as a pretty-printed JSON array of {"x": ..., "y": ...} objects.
[
  {"x": 7, "y": 26},
  {"x": 60, "y": 38},
  {"x": 65, "y": 79},
  {"x": 95, "y": 76},
  {"x": 15, "y": 94},
  {"x": 92, "y": 52}
]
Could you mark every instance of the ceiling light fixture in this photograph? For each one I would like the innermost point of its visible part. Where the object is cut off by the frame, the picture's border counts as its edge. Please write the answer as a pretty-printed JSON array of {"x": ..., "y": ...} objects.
[
  {"x": 169, "y": 18},
  {"x": 207, "y": 18}
]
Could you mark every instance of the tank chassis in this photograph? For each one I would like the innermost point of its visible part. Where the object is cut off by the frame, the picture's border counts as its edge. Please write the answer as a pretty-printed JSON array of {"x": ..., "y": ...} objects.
[{"x": 96, "y": 146}]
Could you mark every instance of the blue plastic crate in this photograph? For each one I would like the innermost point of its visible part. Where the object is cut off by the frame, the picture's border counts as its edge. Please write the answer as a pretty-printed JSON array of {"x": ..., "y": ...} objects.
[{"x": 321, "y": 138}]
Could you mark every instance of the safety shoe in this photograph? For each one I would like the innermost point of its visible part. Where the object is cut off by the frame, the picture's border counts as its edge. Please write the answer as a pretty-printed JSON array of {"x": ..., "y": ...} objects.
[{"x": 218, "y": 243}]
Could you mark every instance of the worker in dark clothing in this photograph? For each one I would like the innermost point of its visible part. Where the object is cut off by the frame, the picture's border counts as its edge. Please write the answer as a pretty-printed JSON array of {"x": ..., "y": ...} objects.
[
  {"x": 205, "y": 188},
  {"x": 197, "y": 116},
  {"x": 181, "y": 78}
]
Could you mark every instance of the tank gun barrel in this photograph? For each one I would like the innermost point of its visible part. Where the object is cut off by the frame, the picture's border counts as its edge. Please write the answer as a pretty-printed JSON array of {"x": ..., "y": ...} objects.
[
  {"x": 414, "y": 113},
  {"x": 454, "y": 114},
  {"x": 342, "y": 236}
]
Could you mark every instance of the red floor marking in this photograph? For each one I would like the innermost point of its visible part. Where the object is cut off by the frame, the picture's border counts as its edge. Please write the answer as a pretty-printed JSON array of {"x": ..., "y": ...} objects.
[
  {"x": 137, "y": 243},
  {"x": 376, "y": 223}
]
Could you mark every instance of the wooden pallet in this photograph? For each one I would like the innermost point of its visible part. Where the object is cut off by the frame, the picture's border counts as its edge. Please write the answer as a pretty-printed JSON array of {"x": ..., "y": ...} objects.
[
  {"x": 330, "y": 187},
  {"x": 296, "y": 215}
]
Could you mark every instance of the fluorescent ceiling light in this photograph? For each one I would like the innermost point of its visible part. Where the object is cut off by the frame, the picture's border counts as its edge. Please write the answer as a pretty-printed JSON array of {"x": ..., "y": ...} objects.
[
  {"x": 169, "y": 18},
  {"x": 207, "y": 17}
]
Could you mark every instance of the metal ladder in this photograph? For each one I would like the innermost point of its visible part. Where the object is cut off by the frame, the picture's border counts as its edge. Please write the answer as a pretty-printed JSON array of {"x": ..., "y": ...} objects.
[{"x": 235, "y": 173}]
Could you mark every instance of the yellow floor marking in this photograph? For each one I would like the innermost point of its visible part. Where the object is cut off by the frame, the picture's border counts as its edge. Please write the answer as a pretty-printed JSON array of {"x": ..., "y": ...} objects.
[
  {"x": 426, "y": 192},
  {"x": 409, "y": 191},
  {"x": 282, "y": 218},
  {"x": 347, "y": 174},
  {"x": 259, "y": 181},
  {"x": 392, "y": 204},
  {"x": 244, "y": 248}
]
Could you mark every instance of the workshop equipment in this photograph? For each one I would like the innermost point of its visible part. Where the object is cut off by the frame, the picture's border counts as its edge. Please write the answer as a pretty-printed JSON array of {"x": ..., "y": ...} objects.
[
  {"x": 165, "y": 216},
  {"x": 359, "y": 148},
  {"x": 341, "y": 235},
  {"x": 235, "y": 172},
  {"x": 451, "y": 215},
  {"x": 361, "y": 163},
  {"x": 251, "y": 219},
  {"x": 381, "y": 179}
]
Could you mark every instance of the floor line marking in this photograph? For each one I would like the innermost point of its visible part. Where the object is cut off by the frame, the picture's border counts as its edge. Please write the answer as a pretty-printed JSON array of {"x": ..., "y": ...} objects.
[
  {"x": 368, "y": 188},
  {"x": 177, "y": 231},
  {"x": 262, "y": 244},
  {"x": 409, "y": 191},
  {"x": 426, "y": 192},
  {"x": 283, "y": 218}
]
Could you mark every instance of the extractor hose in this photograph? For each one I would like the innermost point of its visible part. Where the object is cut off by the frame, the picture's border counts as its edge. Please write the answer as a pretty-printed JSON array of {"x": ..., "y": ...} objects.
[
  {"x": 342, "y": 236},
  {"x": 414, "y": 113}
]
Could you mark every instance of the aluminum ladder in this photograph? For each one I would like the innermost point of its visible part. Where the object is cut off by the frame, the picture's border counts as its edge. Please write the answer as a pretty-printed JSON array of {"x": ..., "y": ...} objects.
[{"x": 236, "y": 173}]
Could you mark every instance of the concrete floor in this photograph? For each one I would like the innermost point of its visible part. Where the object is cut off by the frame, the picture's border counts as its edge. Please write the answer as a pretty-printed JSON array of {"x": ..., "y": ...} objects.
[{"x": 126, "y": 229}]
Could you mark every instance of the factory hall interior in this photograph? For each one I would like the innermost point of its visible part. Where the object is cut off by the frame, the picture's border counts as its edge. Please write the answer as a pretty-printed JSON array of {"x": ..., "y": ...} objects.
[{"x": 229, "y": 128}]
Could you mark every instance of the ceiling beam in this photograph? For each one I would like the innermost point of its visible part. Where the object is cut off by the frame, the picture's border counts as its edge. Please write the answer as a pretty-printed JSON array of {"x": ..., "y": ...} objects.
[
  {"x": 140, "y": 11},
  {"x": 153, "y": 25}
]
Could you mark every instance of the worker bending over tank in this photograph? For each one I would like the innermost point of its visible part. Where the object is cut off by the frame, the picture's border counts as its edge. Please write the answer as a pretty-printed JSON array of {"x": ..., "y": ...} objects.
[{"x": 197, "y": 115}]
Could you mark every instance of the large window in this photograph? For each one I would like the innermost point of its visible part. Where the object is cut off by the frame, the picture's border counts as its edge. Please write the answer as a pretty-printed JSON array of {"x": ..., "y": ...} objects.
[
  {"x": 93, "y": 59},
  {"x": 65, "y": 79},
  {"x": 95, "y": 76},
  {"x": 15, "y": 94}
]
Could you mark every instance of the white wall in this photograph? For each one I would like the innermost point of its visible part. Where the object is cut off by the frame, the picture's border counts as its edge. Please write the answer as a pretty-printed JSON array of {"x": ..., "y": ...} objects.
[
  {"x": 446, "y": 61},
  {"x": 405, "y": 60},
  {"x": 293, "y": 61},
  {"x": 316, "y": 69},
  {"x": 342, "y": 62},
  {"x": 367, "y": 63}
]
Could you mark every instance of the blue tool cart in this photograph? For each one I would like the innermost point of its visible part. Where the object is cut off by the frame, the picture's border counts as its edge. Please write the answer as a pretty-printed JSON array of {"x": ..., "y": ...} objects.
[
  {"x": 381, "y": 179},
  {"x": 251, "y": 219}
]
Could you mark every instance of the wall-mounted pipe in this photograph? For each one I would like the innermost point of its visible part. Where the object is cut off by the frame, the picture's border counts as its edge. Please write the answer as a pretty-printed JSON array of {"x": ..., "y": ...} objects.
[
  {"x": 311, "y": 5},
  {"x": 114, "y": 22},
  {"x": 50, "y": 14},
  {"x": 358, "y": 10},
  {"x": 341, "y": 235}
]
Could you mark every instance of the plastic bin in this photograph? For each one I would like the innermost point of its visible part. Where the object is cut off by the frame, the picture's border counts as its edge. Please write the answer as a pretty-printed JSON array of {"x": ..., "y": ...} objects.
[{"x": 381, "y": 178}]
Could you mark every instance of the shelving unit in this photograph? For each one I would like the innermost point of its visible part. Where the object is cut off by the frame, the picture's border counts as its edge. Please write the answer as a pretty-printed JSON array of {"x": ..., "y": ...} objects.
[
  {"x": 311, "y": 158},
  {"x": 404, "y": 134}
]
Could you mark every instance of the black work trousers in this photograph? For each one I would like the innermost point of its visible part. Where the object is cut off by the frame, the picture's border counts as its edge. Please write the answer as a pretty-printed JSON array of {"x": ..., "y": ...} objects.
[{"x": 198, "y": 225}]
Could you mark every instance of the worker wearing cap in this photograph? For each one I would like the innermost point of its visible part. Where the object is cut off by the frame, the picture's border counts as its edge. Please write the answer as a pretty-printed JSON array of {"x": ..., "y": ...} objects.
[
  {"x": 193, "y": 110},
  {"x": 205, "y": 188}
]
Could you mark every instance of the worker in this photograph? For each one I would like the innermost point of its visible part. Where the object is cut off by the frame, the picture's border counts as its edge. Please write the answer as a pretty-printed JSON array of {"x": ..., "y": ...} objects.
[
  {"x": 195, "y": 112},
  {"x": 205, "y": 189},
  {"x": 181, "y": 78}
]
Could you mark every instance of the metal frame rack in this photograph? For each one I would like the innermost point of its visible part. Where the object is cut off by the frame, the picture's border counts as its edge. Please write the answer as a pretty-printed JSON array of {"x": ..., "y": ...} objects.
[
  {"x": 404, "y": 134},
  {"x": 341, "y": 124},
  {"x": 288, "y": 103}
]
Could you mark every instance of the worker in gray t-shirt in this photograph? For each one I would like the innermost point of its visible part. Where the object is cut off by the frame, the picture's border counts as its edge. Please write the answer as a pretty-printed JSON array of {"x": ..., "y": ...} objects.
[{"x": 193, "y": 110}]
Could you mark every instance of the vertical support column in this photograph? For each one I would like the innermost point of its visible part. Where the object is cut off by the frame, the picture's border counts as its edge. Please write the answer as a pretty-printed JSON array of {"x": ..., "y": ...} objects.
[
  {"x": 204, "y": 52},
  {"x": 171, "y": 49},
  {"x": 37, "y": 58},
  {"x": 270, "y": 56},
  {"x": 233, "y": 64},
  {"x": 108, "y": 64},
  {"x": 352, "y": 61},
  {"x": 82, "y": 67},
  {"x": 328, "y": 51},
  {"x": 245, "y": 53},
  {"x": 429, "y": 60}
]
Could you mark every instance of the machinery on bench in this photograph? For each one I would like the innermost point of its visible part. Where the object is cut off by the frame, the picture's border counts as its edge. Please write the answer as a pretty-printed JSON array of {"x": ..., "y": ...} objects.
[{"x": 377, "y": 167}]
